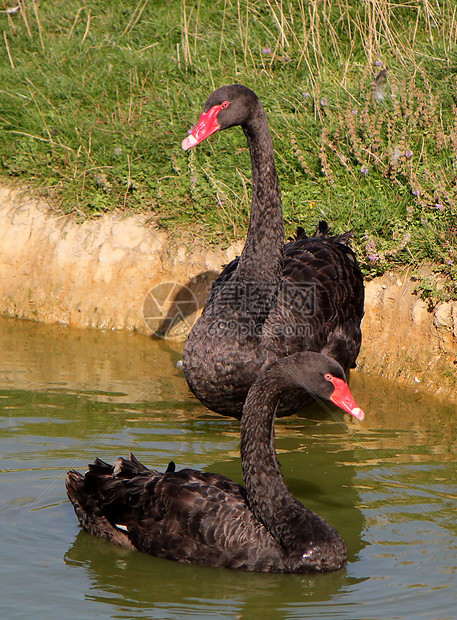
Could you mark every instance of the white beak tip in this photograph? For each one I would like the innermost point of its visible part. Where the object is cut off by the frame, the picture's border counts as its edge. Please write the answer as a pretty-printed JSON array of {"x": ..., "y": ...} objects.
[
  {"x": 358, "y": 413},
  {"x": 189, "y": 142}
]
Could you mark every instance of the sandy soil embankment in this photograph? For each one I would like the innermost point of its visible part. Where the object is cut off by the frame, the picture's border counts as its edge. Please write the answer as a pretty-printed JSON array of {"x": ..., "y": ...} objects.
[{"x": 100, "y": 274}]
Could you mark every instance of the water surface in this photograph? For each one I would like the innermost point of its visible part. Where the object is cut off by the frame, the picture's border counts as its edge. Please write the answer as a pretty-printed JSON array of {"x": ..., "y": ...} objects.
[{"x": 388, "y": 484}]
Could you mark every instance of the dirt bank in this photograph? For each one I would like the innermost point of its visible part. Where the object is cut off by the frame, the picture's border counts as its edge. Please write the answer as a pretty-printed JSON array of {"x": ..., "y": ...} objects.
[
  {"x": 405, "y": 339},
  {"x": 122, "y": 272},
  {"x": 95, "y": 274}
]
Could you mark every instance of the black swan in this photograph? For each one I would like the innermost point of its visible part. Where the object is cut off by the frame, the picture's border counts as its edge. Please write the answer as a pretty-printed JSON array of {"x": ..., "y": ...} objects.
[
  {"x": 275, "y": 299},
  {"x": 208, "y": 519}
]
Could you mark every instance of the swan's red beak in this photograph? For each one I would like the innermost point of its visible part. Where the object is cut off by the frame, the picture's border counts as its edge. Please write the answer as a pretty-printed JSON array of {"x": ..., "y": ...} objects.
[
  {"x": 343, "y": 398},
  {"x": 206, "y": 126}
]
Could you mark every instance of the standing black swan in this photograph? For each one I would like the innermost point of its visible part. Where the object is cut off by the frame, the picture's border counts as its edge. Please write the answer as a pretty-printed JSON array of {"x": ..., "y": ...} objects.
[
  {"x": 275, "y": 299},
  {"x": 208, "y": 519}
]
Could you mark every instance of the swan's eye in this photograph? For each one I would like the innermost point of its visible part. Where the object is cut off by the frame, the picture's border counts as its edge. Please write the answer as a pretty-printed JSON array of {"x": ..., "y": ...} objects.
[
  {"x": 225, "y": 104},
  {"x": 328, "y": 376}
]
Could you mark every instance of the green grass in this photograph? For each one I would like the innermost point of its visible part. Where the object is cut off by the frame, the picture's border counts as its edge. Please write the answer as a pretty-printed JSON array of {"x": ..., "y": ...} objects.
[{"x": 95, "y": 98}]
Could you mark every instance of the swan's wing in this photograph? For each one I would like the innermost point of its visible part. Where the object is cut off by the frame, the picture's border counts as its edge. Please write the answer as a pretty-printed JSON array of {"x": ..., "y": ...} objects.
[
  {"x": 188, "y": 516},
  {"x": 198, "y": 520},
  {"x": 321, "y": 299}
]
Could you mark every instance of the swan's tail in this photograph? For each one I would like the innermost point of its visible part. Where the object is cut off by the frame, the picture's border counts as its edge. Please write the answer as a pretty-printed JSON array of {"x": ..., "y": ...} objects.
[
  {"x": 93, "y": 495},
  {"x": 324, "y": 230},
  {"x": 87, "y": 509}
]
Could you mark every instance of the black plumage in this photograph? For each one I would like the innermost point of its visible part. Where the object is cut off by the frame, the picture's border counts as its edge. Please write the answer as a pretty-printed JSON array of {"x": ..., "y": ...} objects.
[
  {"x": 275, "y": 299},
  {"x": 208, "y": 519}
]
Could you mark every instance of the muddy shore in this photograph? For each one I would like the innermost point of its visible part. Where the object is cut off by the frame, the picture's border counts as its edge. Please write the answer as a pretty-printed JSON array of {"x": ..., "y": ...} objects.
[{"x": 121, "y": 272}]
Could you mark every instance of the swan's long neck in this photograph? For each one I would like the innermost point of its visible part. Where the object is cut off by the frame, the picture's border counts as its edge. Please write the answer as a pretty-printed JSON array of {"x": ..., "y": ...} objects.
[
  {"x": 261, "y": 259},
  {"x": 269, "y": 498}
]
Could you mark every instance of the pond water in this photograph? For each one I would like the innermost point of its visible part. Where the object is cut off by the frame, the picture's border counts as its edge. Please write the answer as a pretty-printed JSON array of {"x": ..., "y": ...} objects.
[{"x": 388, "y": 484}]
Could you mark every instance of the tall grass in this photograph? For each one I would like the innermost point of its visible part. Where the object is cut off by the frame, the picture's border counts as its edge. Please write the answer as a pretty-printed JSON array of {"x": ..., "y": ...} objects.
[{"x": 95, "y": 99}]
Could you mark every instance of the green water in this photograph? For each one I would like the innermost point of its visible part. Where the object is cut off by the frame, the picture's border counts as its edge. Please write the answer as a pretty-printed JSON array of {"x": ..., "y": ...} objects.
[{"x": 389, "y": 485}]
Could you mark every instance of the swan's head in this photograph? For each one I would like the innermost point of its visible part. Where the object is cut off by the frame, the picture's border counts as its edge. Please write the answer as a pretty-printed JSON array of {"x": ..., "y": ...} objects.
[
  {"x": 227, "y": 106},
  {"x": 318, "y": 375}
]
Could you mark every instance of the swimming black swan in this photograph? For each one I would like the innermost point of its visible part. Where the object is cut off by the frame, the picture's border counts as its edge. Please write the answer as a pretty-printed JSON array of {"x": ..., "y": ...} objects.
[
  {"x": 208, "y": 519},
  {"x": 275, "y": 299}
]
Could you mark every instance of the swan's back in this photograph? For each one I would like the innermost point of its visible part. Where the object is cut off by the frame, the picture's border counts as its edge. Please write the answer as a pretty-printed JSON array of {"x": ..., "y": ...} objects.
[
  {"x": 321, "y": 299},
  {"x": 187, "y": 515}
]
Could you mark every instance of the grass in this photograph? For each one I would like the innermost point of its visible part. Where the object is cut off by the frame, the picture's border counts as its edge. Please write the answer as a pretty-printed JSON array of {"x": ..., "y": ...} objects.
[{"x": 95, "y": 99}]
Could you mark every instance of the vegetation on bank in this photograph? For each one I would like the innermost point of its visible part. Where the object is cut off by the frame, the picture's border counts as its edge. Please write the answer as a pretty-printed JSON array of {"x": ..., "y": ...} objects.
[{"x": 95, "y": 98}]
